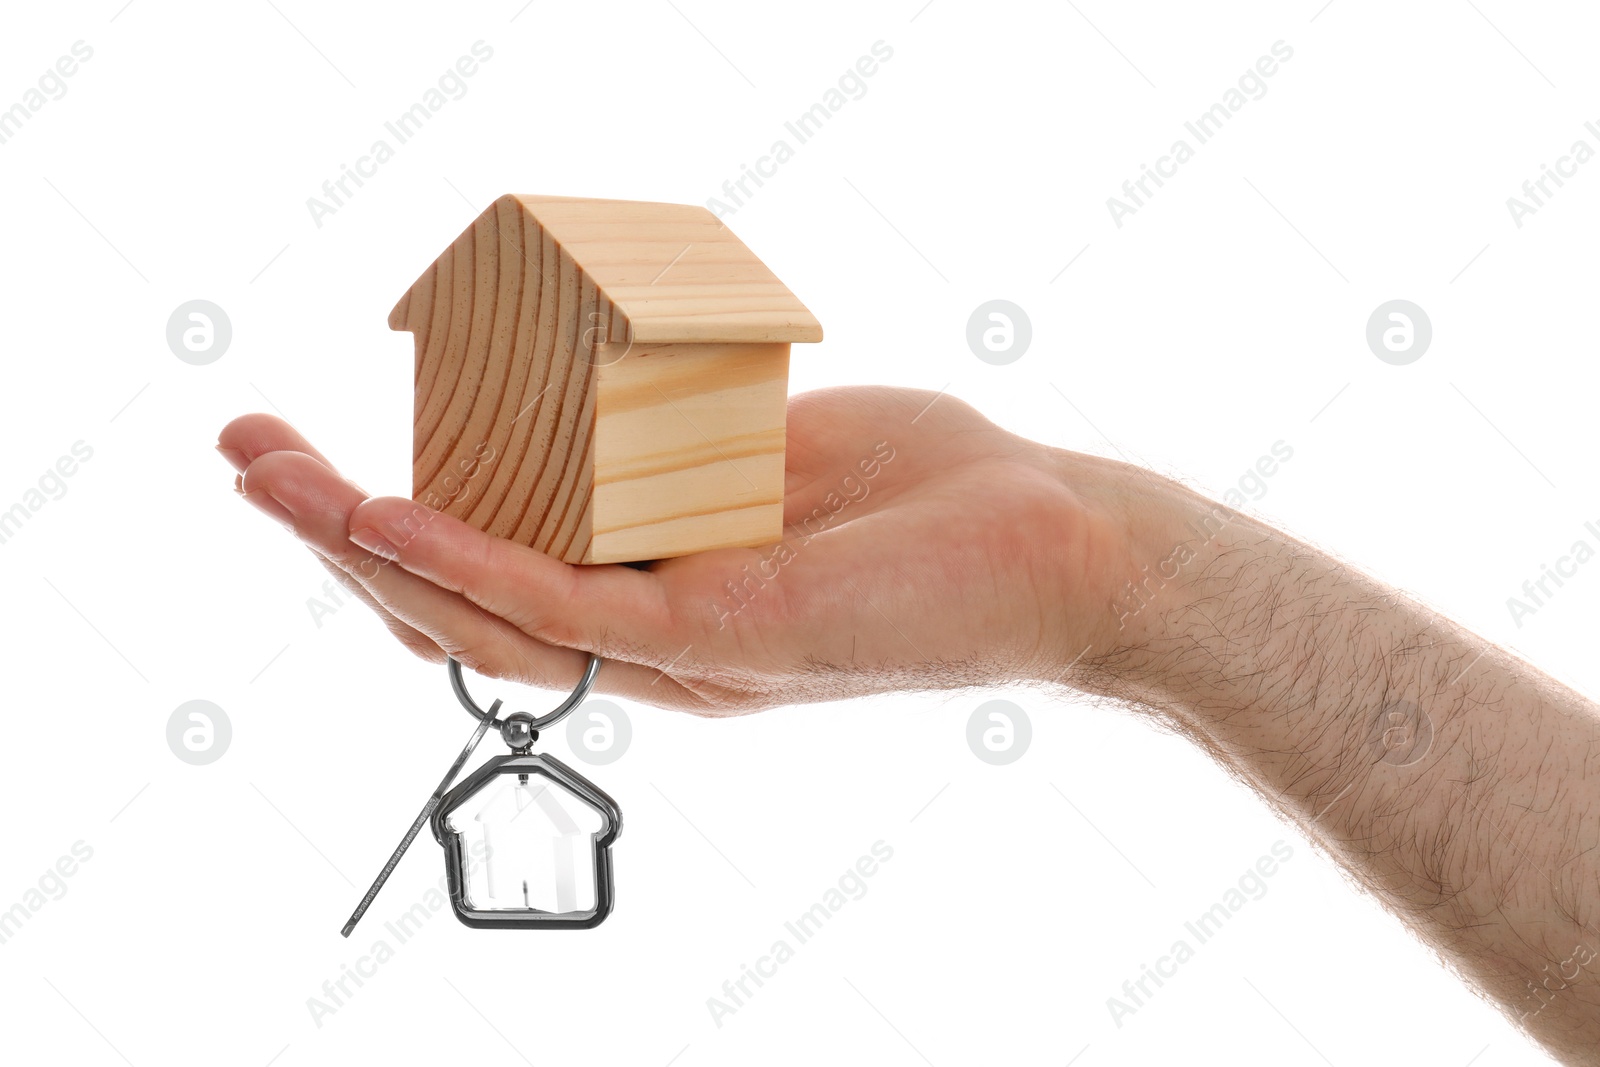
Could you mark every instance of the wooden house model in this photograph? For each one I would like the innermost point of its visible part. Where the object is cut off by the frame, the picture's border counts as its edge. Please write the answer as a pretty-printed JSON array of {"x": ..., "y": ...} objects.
[{"x": 604, "y": 380}]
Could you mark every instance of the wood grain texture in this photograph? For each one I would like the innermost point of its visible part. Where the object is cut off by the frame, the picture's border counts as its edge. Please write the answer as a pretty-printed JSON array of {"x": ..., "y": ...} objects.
[
  {"x": 673, "y": 272},
  {"x": 601, "y": 397},
  {"x": 689, "y": 451}
]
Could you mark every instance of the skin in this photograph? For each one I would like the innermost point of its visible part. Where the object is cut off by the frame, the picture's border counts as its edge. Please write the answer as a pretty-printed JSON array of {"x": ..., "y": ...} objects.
[{"x": 1449, "y": 778}]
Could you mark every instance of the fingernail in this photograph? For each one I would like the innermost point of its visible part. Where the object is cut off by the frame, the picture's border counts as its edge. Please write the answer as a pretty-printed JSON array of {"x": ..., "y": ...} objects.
[
  {"x": 375, "y": 543},
  {"x": 236, "y": 459},
  {"x": 268, "y": 505}
]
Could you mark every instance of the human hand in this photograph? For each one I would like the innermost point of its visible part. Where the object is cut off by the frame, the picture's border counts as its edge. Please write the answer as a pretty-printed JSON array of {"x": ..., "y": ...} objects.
[{"x": 924, "y": 547}]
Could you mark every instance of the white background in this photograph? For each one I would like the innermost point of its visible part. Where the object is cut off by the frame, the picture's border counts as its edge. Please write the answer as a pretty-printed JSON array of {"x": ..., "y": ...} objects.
[{"x": 1226, "y": 315}]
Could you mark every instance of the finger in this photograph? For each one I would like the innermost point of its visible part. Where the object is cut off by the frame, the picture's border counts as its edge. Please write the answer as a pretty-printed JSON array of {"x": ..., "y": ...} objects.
[
  {"x": 612, "y": 610},
  {"x": 321, "y": 503},
  {"x": 247, "y": 438},
  {"x": 418, "y": 642},
  {"x": 250, "y": 436}
]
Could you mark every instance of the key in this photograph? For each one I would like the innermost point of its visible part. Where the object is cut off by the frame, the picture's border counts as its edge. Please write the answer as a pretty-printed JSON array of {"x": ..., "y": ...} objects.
[{"x": 422, "y": 818}]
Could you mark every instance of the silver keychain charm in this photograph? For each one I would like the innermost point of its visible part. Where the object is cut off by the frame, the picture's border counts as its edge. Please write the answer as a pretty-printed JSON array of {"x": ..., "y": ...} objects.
[{"x": 527, "y": 839}]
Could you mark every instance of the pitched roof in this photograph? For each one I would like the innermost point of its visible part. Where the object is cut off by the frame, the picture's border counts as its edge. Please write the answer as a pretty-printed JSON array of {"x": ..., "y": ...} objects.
[{"x": 672, "y": 272}]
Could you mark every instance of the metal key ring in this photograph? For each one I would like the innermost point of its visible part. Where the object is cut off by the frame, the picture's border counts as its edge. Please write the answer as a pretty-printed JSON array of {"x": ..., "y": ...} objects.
[{"x": 575, "y": 698}]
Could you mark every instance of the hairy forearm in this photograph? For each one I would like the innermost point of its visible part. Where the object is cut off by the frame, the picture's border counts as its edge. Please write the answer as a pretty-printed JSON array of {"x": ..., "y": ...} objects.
[{"x": 1445, "y": 775}]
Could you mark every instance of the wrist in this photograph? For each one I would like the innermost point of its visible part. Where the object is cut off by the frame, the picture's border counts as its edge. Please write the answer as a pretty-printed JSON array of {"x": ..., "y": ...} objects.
[
  {"x": 1158, "y": 566},
  {"x": 1251, "y": 643},
  {"x": 1100, "y": 527}
]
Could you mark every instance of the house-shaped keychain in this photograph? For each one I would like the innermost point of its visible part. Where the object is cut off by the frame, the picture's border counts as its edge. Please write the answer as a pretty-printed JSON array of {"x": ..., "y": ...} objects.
[{"x": 543, "y": 833}]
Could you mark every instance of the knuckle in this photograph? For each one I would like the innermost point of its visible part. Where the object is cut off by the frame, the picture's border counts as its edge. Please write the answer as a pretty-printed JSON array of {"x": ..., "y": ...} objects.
[
  {"x": 420, "y": 646},
  {"x": 558, "y": 631},
  {"x": 473, "y": 658}
]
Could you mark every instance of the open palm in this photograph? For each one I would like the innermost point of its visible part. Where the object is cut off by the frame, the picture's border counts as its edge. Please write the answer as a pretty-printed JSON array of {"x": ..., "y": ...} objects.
[{"x": 924, "y": 547}]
